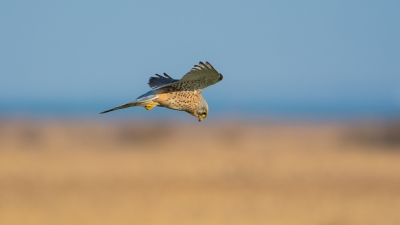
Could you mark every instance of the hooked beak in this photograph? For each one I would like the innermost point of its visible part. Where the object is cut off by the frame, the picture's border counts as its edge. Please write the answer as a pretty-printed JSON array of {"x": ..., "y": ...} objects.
[{"x": 201, "y": 117}]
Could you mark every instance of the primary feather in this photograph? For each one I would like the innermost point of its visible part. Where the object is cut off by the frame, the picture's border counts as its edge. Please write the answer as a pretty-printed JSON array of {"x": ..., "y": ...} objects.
[{"x": 159, "y": 81}]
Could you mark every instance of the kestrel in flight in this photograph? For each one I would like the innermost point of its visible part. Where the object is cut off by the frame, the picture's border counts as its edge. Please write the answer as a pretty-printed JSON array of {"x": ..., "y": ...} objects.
[{"x": 183, "y": 94}]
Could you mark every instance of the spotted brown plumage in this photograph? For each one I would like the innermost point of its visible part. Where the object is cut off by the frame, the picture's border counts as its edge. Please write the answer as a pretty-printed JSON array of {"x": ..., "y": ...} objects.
[{"x": 184, "y": 94}]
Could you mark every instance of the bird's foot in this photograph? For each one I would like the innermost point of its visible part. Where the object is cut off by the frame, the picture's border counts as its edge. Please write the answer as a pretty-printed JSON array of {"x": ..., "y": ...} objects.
[{"x": 149, "y": 106}]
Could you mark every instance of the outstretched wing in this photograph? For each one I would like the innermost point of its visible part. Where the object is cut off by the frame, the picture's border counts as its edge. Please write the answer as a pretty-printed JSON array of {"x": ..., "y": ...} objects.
[
  {"x": 199, "y": 77},
  {"x": 159, "y": 81}
]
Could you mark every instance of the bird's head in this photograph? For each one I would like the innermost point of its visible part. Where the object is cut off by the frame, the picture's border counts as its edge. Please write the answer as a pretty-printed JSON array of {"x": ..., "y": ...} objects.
[{"x": 201, "y": 110}]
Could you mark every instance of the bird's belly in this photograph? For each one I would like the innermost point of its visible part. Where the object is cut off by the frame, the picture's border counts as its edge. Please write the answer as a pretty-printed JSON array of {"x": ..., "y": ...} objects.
[
  {"x": 177, "y": 101},
  {"x": 167, "y": 100}
]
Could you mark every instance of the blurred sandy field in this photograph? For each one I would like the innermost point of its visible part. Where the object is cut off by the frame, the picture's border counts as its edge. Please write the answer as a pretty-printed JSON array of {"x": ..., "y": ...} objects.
[{"x": 201, "y": 173}]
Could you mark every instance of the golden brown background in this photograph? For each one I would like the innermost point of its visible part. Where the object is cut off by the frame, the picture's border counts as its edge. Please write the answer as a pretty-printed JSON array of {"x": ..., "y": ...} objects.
[{"x": 76, "y": 172}]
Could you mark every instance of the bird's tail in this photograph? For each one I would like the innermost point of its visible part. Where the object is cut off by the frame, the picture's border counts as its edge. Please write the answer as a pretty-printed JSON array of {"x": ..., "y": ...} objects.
[
  {"x": 140, "y": 101},
  {"x": 129, "y": 104}
]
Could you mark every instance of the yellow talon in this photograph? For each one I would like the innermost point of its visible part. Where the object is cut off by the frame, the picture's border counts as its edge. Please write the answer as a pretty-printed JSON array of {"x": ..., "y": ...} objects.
[{"x": 149, "y": 106}]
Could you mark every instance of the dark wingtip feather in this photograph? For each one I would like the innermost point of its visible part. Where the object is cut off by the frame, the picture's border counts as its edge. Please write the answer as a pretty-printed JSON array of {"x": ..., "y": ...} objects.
[
  {"x": 159, "y": 80},
  {"x": 220, "y": 77},
  {"x": 167, "y": 76}
]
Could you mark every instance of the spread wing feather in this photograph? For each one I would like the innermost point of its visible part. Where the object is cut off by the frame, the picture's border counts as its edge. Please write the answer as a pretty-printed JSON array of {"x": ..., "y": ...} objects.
[
  {"x": 200, "y": 77},
  {"x": 159, "y": 81}
]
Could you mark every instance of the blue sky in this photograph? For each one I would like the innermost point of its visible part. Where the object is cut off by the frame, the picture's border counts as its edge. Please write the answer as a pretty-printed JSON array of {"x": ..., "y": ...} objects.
[{"x": 296, "y": 55}]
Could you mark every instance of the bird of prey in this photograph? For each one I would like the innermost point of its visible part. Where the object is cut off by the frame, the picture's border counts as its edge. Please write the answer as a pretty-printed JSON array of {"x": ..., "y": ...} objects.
[{"x": 183, "y": 94}]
